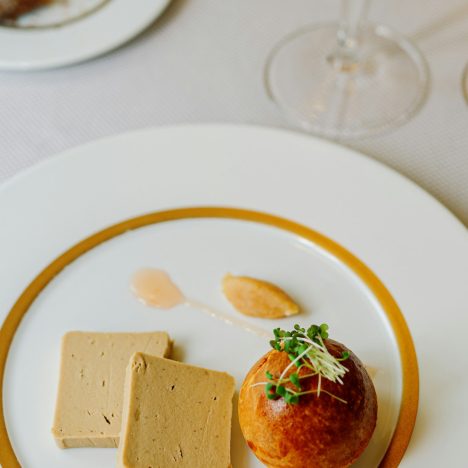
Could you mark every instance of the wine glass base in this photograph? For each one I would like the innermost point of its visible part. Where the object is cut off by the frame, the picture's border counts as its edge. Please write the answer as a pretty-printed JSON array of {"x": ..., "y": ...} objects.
[{"x": 382, "y": 90}]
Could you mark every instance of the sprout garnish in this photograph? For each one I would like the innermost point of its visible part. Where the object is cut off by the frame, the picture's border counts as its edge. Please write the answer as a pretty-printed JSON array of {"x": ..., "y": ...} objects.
[{"x": 306, "y": 349}]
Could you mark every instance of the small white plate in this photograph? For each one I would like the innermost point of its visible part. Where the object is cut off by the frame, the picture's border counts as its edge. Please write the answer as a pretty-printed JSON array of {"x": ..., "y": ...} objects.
[
  {"x": 386, "y": 221},
  {"x": 73, "y": 31}
]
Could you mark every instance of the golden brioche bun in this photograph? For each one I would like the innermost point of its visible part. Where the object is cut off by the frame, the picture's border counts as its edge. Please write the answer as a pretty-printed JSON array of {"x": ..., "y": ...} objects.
[{"x": 319, "y": 431}]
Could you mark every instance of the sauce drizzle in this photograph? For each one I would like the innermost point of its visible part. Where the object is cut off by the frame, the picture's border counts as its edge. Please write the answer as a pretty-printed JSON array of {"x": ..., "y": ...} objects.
[{"x": 155, "y": 288}]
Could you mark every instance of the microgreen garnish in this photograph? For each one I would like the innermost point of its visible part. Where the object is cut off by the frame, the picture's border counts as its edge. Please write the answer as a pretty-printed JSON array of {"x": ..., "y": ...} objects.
[{"x": 306, "y": 349}]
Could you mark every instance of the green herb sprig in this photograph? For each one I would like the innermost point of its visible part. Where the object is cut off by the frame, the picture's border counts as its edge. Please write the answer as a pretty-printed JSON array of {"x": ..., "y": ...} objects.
[{"x": 306, "y": 349}]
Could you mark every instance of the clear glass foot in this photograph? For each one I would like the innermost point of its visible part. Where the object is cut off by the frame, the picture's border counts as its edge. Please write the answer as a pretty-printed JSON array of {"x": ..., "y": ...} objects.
[{"x": 379, "y": 86}]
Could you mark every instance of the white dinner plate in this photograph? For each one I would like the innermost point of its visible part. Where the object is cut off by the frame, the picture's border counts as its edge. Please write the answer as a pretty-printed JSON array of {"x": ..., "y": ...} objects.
[
  {"x": 201, "y": 201},
  {"x": 73, "y": 31}
]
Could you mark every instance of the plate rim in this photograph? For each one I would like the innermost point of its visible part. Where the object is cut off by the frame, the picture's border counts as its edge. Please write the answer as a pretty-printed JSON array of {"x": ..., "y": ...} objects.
[
  {"x": 145, "y": 131},
  {"x": 408, "y": 359}
]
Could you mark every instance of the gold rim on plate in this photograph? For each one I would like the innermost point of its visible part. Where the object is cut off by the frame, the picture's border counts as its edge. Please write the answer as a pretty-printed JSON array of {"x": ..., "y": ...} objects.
[{"x": 409, "y": 365}]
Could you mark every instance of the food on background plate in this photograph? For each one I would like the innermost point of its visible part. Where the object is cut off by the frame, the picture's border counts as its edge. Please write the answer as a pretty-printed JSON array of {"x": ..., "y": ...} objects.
[
  {"x": 175, "y": 414},
  {"x": 308, "y": 403},
  {"x": 258, "y": 298},
  {"x": 92, "y": 374},
  {"x": 11, "y": 9}
]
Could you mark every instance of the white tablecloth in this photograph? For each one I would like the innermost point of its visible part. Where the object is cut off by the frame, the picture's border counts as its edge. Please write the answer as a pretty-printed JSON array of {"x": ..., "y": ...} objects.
[{"x": 203, "y": 62}]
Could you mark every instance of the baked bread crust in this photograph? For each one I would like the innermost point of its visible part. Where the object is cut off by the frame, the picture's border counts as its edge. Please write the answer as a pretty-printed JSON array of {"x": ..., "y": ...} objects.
[{"x": 317, "y": 432}]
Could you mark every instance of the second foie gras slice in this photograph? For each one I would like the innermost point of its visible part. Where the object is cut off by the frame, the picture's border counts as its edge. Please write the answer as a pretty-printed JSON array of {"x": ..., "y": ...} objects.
[
  {"x": 175, "y": 414},
  {"x": 92, "y": 375}
]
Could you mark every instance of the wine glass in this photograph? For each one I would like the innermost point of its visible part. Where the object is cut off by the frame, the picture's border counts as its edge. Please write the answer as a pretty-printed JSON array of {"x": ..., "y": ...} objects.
[
  {"x": 465, "y": 83},
  {"x": 349, "y": 79}
]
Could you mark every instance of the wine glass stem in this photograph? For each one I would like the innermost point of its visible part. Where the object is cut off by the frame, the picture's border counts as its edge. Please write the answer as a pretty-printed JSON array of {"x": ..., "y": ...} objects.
[{"x": 353, "y": 14}]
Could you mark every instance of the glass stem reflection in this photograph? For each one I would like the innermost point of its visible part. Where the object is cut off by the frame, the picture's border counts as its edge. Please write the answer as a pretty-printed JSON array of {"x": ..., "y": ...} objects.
[{"x": 346, "y": 57}]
